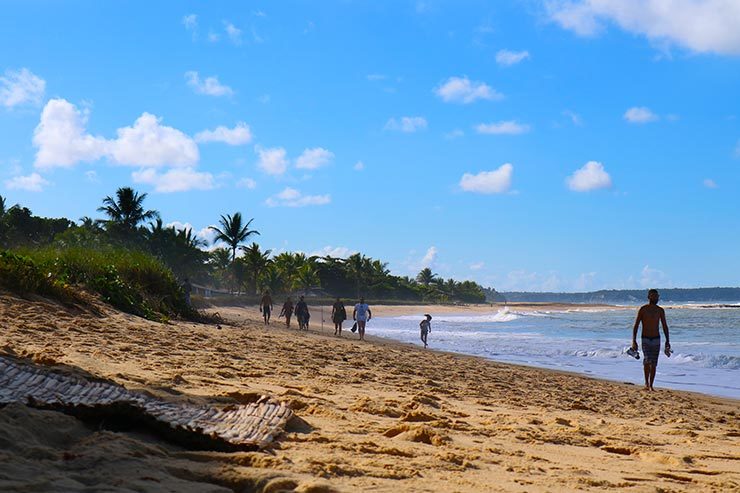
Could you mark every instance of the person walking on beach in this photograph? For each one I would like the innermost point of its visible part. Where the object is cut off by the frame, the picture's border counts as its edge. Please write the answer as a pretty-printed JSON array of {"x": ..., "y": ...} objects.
[
  {"x": 287, "y": 311},
  {"x": 266, "y": 306},
  {"x": 426, "y": 327},
  {"x": 187, "y": 288},
  {"x": 651, "y": 316},
  {"x": 338, "y": 315},
  {"x": 362, "y": 315},
  {"x": 302, "y": 314}
]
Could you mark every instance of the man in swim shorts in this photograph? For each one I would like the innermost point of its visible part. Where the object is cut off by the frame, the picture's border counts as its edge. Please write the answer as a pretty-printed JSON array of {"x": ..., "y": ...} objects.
[
  {"x": 651, "y": 316},
  {"x": 266, "y": 307}
]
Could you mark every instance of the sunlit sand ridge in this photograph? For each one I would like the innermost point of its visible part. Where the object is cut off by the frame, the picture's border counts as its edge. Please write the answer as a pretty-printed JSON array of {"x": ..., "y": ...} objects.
[{"x": 377, "y": 416}]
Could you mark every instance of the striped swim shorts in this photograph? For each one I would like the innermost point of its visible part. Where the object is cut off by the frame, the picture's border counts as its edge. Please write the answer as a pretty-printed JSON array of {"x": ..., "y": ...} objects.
[{"x": 650, "y": 350}]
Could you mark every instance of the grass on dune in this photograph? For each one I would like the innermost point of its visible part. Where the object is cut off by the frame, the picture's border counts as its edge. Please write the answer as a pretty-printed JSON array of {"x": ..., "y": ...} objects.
[{"x": 130, "y": 280}]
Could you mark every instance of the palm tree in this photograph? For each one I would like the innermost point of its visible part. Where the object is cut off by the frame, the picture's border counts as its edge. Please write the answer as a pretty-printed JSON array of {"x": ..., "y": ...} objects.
[
  {"x": 426, "y": 276},
  {"x": 126, "y": 211},
  {"x": 256, "y": 262},
  {"x": 272, "y": 279},
  {"x": 233, "y": 232},
  {"x": 359, "y": 268},
  {"x": 306, "y": 277},
  {"x": 220, "y": 260},
  {"x": 287, "y": 265},
  {"x": 2, "y": 206}
]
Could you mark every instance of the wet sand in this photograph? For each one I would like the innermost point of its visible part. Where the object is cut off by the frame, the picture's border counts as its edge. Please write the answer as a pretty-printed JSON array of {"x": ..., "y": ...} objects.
[{"x": 373, "y": 416}]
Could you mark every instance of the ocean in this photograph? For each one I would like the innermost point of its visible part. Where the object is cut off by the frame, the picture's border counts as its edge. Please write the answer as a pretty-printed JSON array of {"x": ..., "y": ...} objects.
[{"x": 705, "y": 341}]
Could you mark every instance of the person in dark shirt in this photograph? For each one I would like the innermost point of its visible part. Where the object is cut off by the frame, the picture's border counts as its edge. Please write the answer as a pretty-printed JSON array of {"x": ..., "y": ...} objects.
[
  {"x": 338, "y": 315},
  {"x": 302, "y": 314}
]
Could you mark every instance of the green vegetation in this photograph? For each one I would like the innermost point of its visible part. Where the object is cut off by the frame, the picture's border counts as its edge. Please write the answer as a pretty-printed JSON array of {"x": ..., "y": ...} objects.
[{"x": 139, "y": 267}]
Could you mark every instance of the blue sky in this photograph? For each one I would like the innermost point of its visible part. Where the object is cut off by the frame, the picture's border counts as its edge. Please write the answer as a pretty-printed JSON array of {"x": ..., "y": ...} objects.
[{"x": 527, "y": 145}]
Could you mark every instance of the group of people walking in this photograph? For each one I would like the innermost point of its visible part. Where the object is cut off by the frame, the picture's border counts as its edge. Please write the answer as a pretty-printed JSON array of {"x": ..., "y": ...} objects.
[{"x": 361, "y": 314}]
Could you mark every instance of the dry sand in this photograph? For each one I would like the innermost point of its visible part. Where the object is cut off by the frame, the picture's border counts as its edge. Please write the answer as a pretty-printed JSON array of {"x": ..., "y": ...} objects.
[{"x": 374, "y": 416}]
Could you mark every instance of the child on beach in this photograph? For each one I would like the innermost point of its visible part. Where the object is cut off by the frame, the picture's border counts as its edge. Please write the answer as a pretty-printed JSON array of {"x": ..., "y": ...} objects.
[
  {"x": 426, "y": 327},
  {"x": 287, "y": 311}
]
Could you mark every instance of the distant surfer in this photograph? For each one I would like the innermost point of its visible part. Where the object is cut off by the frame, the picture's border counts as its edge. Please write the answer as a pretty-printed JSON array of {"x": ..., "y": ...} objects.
[
  {"x": 266, "y": 307},
  {"x": 426, "y": 327},
  {"x": 651, "y": 316}
]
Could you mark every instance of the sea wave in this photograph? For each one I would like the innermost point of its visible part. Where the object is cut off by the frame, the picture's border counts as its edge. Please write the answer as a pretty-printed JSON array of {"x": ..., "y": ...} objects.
[
  {"x": 722, "y": 361},
  {"x": 501, "y": 316}
]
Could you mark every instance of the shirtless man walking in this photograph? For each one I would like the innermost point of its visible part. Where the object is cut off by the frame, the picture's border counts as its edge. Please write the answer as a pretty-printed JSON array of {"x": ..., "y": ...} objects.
[
  {"x": 266, "y": 307},
  {"x": 651, "y": 315}
]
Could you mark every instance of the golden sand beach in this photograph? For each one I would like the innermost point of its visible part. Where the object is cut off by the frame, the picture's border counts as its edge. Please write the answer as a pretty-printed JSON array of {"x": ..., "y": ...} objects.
[{"x": 373, "y": 416}]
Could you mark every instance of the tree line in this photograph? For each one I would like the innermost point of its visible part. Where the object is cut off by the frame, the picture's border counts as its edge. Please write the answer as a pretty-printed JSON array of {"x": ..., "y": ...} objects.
[{"x": 235, "y": 265}]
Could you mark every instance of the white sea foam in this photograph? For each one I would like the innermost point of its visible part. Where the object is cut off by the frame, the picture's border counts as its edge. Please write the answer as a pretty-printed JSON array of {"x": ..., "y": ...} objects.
[
  {"x": 503, "y": 315},
  {"x": 706, "y": 341}
]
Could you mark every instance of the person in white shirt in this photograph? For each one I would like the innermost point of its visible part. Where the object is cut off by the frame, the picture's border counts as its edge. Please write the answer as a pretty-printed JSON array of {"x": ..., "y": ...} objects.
[{"x": 361, "y": 314}]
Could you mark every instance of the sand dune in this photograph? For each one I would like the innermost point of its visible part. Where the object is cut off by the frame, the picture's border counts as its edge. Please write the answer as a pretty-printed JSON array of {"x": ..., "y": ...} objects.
[{"x": 374, "y": 416}]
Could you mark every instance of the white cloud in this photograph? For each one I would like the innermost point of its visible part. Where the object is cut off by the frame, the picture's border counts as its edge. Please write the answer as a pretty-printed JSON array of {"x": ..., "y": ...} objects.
[
  {"x": 234, "y": 33},
  {"x": 272, "y": 160},
  {"x": 374, "y": 77},
  {"x": 148, "y": 143},
  {"x": 575, "y": 118},
  {"x": 463, "y": 90},
  {"x": 591, "y": 176},
  {"x": 737, "y": 149},
  {"x": 331, "y": 251},
  {"x": 521, "y": 280},
  {"x": 19, "y": 87},
  {"x": 509, "y": 127},
  {"x": 700, "y": 25},
  {"x": 488, "y": 182},
  {"x": 190, "y": 22},
  {"x": 585, "y": 281},
  {"x": 206, "y": 234},
  {"x": 213, "y": 37},
  {"x": 314, "y": 158},
  {"x": 652, "y": 278},
  {"x": 31, "y": 183},
  {"x": 709, "y": 183},
  {"x": 640, "y": 114},
  {"x": 508, "y": 58},
  {"x": 247, "y": 183},
  {"x": 408, "y": 124},
  {"x": 61, "y": 138},
  {"x": 454, "y": 134},
  {"x": 175, "y": 180},
  {"x": 92, "y": 176},
  {"x": 477, "y": 265},
  {"x": 239, "y": 135},
  {"x": 359, "y": 166},
  {"x": 209, "y": 86},
  {"x": 430, "y": 257},
  {"x": 290, "y": 197}
]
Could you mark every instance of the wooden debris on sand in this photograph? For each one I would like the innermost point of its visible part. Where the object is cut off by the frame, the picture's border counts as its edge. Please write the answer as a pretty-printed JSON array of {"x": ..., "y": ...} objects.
[{"x": 232, "y": 427}]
